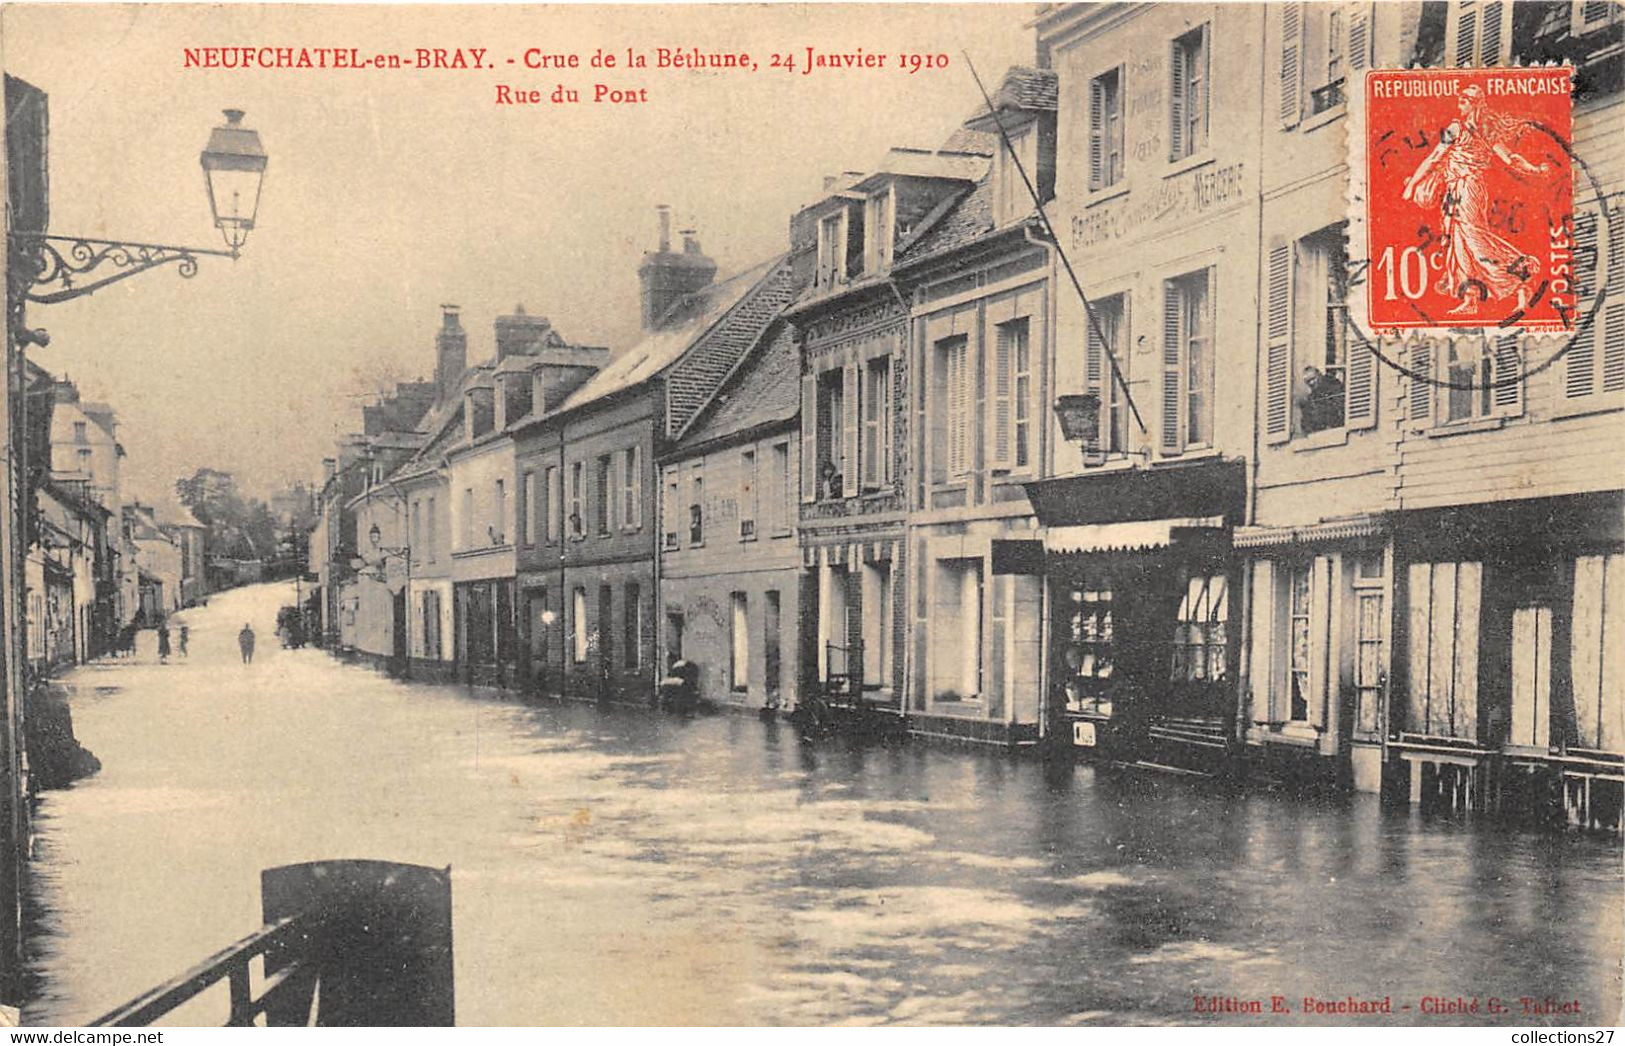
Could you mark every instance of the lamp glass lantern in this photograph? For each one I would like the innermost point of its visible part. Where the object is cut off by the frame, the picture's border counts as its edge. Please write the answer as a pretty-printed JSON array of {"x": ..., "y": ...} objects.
[
  {"x": 234, "y": 169},
  {"x": 375, "y": 536},
  {"x": 1079, "y": 416}
]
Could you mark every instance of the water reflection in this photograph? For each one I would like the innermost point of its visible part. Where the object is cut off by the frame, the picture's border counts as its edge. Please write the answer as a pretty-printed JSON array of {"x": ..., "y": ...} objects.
[{"x": 616, "y": 866}]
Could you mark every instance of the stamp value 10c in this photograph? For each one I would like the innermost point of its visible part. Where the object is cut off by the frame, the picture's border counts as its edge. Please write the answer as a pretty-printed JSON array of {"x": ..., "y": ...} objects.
[{"x": 1469, "y": 187}]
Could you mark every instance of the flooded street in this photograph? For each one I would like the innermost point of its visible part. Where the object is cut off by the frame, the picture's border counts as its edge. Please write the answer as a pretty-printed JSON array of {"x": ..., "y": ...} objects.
[{"x": 625, "y": 867}]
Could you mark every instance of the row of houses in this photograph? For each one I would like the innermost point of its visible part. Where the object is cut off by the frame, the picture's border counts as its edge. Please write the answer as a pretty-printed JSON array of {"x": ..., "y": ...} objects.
[
  {"x": 98, "y": 564},
  {"x": 902, "y": 469}
]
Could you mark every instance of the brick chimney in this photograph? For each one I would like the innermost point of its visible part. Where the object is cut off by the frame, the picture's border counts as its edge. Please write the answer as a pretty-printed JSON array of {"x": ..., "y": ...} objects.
[
  {"x": 521, "y": 334},
  {"x": 666, "y": 276},
  {"x": 451, "y": 353}
]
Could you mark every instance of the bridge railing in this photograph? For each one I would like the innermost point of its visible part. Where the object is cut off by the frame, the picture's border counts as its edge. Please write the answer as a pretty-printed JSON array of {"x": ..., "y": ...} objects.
[{"x": 344, "y": 944}]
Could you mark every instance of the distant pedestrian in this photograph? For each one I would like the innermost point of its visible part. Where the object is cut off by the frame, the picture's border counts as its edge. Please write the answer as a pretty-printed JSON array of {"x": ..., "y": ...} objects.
[
  {"x": 163, "y": 643},
  {"x": 245, "y": 642},
  {"x": 186, "y": 633}
]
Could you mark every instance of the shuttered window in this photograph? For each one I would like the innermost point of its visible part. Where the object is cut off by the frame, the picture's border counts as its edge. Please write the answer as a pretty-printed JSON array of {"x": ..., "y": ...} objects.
[
  {"x": 877, "y": 423},
  {"x": 631, "y": 488},
  {"x": 954, "y": 359},
  {"x": 1278, "y": 344},
  {"x": 1107, "y": 328},
  {"x": 1479, "y": 33},
  {"x": 1106, "y": 129},
  {"x": 1187, "y": 363},
  {"x": 1188, "y": 94},
  {"x": 1012, "y": 393},
  {"x": 1291, "y": 79},
  {"x": 1595, "y": 361}
]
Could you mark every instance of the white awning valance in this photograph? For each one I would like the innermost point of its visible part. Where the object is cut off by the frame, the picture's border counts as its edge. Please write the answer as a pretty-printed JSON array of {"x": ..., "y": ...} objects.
[
  {"x": 1123, "y": 537},
  {"x": 1335, "y": 530}
]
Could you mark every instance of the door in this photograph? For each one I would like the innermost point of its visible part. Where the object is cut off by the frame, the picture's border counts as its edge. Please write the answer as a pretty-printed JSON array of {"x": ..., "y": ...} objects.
[{"x": 398, "y": 617}]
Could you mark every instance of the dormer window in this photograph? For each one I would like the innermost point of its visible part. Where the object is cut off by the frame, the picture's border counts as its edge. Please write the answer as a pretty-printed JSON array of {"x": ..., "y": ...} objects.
[
  {"x": 1011, "y": 198},
  {"x": 880, "y": 221},
  {"x": 831, "y": 250}
]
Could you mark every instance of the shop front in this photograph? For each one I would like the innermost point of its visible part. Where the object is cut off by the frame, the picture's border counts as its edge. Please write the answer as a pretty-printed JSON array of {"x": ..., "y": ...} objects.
[{"x": 1142, "y": 634}]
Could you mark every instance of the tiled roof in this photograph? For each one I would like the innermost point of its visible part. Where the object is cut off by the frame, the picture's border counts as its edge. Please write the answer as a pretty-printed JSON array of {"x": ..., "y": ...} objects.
[
  {"x": 697, "y": 375},
  {"x": 923, "y": 163},
  {"x": 968, "y": 220},
  {"x": 765, "y": 389},
  {"x": 966, "y": 140},
  {"x": 1024, "y": 88},
  {"x": 692, "y": 318},
  {"x": 1027, "y": 88}
]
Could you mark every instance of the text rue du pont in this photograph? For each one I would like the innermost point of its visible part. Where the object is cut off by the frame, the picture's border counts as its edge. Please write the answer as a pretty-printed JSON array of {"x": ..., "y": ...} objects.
[{"x": 803, "y": 61}]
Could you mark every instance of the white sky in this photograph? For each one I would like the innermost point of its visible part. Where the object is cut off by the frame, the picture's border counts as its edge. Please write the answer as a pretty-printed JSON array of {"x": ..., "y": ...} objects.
[{"x": 389, "y": 192}]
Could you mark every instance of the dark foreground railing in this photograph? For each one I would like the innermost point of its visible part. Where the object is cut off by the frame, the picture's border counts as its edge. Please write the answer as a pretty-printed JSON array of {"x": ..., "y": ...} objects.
[{"x": 345, "y": 944}]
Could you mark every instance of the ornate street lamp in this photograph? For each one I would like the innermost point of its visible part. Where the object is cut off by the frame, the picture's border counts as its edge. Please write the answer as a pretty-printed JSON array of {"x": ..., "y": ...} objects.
[
  {"x": 58, "y": 268},
  {"x": 234, "y": 169}
]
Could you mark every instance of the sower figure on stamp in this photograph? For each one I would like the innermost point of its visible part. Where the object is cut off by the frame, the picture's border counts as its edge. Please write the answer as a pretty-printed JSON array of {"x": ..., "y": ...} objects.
[{"x": 1478, "y": 262}]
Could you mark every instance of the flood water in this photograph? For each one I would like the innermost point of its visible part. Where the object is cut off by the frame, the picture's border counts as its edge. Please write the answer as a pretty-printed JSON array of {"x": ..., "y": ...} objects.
[{"x": 626, "y": 867}]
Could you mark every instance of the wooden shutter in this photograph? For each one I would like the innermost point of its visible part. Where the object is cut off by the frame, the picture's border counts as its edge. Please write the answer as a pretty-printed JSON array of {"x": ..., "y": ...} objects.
[
  {"x": 1278, "y": 345},
  {"x": 1612, "y": 334},
  {"x": 1359, "y": 43},
  {"x": 883, "y": 467},
  {"x": 1176, "y": 101},
  {"x": 1323, "y": 672},
  {"x": 1421, "y": 383},
  {"x": 1469, "y": 587},
  {"x": 1172, "y": 354},
  {"x": 809, "y": 440},
  {"x": 1003, "y": 353},
  {"x": 1097, "y": 131},
  {"x": 1207, "y": 85},
  {"x": 1360, "y": 411},
  {"x": 849, "y": 432},
  {"x": 1466, "y": 35},
  {"x": 1291, "y": 63},
  {"x": 1507, "y": 394},
  {"x": 1261, "y": 660},
  {"x": 1094, "y": 357},
  {"x": 1489, "y": 34},
  {"x": 1580, "y": 362}
]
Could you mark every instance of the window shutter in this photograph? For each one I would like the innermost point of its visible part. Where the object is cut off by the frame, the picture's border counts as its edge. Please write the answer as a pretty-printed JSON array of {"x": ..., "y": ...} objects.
[
  {"x": 1291, "y": 63},
  {"x": 849, "y": 433},
  {"x": 1580, "y": 362},
  {"x": 1097, "y": 130},
  {"x": 1176, "y": 99},
  {"x": 1261, "y": 663},
  {"x": 1360, "y": 409},
  {"x": 1466, "y": 34},
  {"x": 1278, "y": 350},
  {"x": 1489, "y": 48},
  {"x": 1613, "y": 325},
  {"x": 1094, "y": 359},
  {"x": 1359, "y": 22},
  {"x": 1207, "y": 82},
  {"x": 1421, "y": 384},
  {"x": 809, "y": 439},
  {"x": 1002, "y": 353},
  {"x": 883, "y": 467},
  {"x": 1172, "y": 301},
  {"x": 958, "y": 389},
  {"x": 1508, "y": 393}
]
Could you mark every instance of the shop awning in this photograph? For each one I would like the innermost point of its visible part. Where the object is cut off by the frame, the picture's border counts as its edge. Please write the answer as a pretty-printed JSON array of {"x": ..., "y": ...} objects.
[
  {"x": 1332, "y": 530},
  {"x": 1126, "y": 537},
  {"x": 1156, "y": 493}
]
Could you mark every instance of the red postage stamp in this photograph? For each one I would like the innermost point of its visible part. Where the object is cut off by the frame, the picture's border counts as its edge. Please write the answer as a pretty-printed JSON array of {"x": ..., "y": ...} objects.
[{"x": 1468, "y": 196}]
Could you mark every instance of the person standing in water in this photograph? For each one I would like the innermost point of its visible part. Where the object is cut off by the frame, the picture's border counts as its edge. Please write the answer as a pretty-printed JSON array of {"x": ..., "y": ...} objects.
[
  {"x": 245, "y": 642},
  {"x": 185, "y": 634},
  {"x": 163, "y": 642}
]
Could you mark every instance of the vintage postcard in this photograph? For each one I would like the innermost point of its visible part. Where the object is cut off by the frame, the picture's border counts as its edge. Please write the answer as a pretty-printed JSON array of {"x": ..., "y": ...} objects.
[{"x": 1098, "y": 515}]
